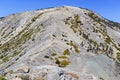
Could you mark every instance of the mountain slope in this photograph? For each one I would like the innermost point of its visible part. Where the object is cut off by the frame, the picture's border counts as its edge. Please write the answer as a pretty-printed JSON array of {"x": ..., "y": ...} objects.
[{"x": 64, "y": 38}]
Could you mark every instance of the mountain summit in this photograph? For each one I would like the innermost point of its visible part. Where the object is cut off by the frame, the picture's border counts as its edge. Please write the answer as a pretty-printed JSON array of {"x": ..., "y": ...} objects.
[{"x": 63, "y": 43}]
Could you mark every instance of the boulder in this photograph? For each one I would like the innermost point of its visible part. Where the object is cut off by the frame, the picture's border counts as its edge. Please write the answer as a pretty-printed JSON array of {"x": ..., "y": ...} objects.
[{"x": 23, "y": 69}]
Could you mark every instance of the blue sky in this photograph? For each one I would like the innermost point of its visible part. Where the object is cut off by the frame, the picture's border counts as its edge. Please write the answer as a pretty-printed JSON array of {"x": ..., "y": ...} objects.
[{"x": 109, "y": 9}]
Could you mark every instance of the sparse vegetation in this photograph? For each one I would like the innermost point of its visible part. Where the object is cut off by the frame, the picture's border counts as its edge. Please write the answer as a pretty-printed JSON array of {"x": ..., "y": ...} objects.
[
  {"x": 53, "y": 54},
  {"x": 64, "y": 35},
  {"x": 25, "y": 77},
  {"x": 18, "y": 40},
  {"x": 118, "y": 56},
  {"x": 66, "y": 52},
  {"x": 44, "y": 45},
  {"x": 85, "y": 36},
  {"x": 2, "y": 77},
  {"x": 36, "y": 17},
  {"x": 94, "y": 17},
  {"x": 75, "y": 47},
  {"x": 11, "y": 71},
  {"x": 108, "y": 40},
  {"x": 16, "y": 53},
  {"x": 74, "y": 23},
  {"x": 63, "y": 57},
  {"x": 94, "y": 42},
  {"x": 64, "y": 63},
  {"x": 57, "y": 62},
  {"x": 46, "y": 56},
  {"x": 5, "y": 59}
]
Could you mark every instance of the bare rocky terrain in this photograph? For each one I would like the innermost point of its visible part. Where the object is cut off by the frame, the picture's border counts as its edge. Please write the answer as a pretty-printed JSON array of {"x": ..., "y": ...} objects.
[{"x": 63, "y": 43}]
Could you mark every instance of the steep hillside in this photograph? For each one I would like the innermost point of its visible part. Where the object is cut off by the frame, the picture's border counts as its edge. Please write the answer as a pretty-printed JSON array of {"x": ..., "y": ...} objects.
[{"x": 63, "y": 43}]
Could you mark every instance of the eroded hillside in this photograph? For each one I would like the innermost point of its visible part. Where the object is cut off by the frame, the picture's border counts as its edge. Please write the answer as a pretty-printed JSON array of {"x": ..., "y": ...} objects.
[{"x": 75, "y": 41}]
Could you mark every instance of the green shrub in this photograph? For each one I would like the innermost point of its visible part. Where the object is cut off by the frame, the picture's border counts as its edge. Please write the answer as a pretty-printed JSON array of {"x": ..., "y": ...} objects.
[
  {"x": 46, "y": 56},
  {"x": 53, "y": 54},
  {"x": 57, "y": 61},
  {"x": 64, "y": 63},
  {"x": 66, "y": 52},
  {"x": 118, "y": 56}
]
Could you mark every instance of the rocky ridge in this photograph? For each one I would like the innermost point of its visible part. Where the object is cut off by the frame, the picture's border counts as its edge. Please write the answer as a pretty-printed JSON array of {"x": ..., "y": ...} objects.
[{"x": 63, "y": 43}]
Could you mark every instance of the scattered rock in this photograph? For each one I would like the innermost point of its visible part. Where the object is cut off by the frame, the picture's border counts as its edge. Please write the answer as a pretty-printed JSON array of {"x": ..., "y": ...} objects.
[
  {"x": 23, "y": 69},
  {"x": 17, "y": 78}
]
